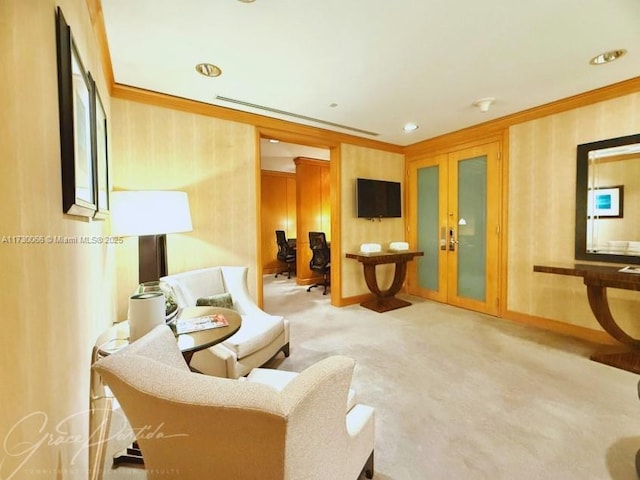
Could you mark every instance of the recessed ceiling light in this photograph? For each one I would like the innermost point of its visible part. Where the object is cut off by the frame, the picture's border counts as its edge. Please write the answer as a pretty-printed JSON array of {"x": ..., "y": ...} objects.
[
  {"x": 410, "y": 127},
  {"x": 208, "y": 70},
  {"x": 607, "y": 57},
  {"x": 273, "y": 140}
]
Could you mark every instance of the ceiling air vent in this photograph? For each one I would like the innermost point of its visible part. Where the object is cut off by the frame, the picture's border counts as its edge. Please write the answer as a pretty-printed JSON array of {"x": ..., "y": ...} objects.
[{"x": 294, "y": 115}]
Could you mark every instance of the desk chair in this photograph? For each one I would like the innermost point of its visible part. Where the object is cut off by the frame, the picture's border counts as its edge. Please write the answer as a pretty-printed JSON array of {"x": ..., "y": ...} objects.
[
  {"x": 286, "y": 253},
  {"x": 320, "y": 260}
]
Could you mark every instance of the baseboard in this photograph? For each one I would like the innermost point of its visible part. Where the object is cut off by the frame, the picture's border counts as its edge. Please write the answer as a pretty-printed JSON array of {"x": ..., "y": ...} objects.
[
  {"x": 555, "y": 326},
  {"x": 309, "y": 281},
  {"x": 563, "y": 328},
  {"x": 346, "y": 301}
]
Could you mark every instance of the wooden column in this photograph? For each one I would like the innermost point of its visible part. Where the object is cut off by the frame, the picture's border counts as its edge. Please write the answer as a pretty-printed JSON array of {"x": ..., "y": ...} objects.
[{"x": 313, "y": 208}]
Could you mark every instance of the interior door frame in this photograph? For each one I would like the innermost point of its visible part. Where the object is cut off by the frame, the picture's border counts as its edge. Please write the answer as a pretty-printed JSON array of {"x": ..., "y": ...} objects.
[{"x": 334, "y": 173}]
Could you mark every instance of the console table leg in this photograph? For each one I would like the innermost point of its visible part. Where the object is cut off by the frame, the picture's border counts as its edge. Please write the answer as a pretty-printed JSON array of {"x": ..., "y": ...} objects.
[
  {"x": 385, "y": 300},
  {"x": 627, "y": 359},
  {"x": 599, "y": 303}
]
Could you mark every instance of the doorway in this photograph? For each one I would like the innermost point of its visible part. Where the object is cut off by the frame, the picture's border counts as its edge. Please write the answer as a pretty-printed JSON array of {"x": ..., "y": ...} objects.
[
  {"x": 295, "y": 186},
  {"x": 455, "y": 213}
]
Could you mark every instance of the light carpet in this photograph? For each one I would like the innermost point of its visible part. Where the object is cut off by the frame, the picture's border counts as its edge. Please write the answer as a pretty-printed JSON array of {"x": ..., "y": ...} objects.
[{"x": 461, "y": 395}]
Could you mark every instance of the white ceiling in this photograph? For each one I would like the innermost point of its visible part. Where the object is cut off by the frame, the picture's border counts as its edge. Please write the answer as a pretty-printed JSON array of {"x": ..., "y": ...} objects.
[
  {"x": 383, "y": 62},
  {"x": 278, "y": 157}
]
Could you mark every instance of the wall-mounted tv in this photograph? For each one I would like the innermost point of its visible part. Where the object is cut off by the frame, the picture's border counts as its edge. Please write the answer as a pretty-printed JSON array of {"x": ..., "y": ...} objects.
[{"x": 378, "y": 198}]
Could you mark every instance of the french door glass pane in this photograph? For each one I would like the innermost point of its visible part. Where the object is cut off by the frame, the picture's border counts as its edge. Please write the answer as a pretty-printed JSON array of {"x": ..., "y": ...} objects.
[
  {"x": 428, "y": 227},
  {"x": 472, "y": 220}
]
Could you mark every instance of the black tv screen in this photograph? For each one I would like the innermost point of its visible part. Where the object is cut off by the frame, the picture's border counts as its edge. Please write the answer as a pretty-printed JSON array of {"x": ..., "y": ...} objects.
[{"x": 378, "y": 198}]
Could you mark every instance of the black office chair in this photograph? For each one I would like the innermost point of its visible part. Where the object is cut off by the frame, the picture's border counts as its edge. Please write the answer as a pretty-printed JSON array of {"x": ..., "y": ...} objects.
[
  {"x": 286, "y": 253},
  {"x": 321, "y": 259}
]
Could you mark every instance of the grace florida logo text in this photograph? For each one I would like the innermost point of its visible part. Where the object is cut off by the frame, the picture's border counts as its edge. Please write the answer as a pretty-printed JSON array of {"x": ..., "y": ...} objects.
[{"x": 18, "y": 448}]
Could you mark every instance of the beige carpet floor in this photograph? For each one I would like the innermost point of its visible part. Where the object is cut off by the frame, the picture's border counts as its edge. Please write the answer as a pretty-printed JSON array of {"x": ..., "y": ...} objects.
[{"x": 461, "y": 395}]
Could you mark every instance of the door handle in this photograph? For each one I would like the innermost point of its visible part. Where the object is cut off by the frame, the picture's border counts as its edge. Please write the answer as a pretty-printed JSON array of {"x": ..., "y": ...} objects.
[{"x": 452, "y": 240}]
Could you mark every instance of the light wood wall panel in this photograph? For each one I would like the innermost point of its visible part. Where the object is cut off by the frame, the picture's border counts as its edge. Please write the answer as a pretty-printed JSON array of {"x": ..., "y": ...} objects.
[
  {"x": 278, "y": 212},
  {"x": 57, "y": 297},
  {"x": 313, "y": 206},
  {"x": 541, "y": 203},
  {"x": 213, "y": 160},
  {"x": 368, "y": 163}
]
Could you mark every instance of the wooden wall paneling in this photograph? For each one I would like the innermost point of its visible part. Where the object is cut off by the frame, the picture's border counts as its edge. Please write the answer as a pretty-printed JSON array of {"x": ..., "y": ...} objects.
[
  {"x": 313, "y": 211},
  {"x": 292, "y": 215},
  {"x": 325, "y": 201},
  {"x": 278, "y": 213}
]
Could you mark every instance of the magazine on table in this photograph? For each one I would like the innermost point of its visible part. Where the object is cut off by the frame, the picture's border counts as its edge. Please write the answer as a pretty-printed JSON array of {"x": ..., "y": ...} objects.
[{"x": 188, "y": 325}]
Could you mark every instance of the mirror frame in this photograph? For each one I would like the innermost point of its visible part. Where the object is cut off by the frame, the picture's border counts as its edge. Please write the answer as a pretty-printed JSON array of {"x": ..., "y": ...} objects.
[{"x": 582, "y": 188}]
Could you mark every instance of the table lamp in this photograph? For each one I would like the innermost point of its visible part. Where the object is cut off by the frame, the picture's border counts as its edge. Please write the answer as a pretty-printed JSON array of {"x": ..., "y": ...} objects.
[{"x": 150, "y": 215}]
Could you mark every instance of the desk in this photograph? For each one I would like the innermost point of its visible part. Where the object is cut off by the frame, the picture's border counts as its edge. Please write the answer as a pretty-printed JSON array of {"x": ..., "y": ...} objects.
[
  {"x": 117, "y": 337},
  {"x": 598, "y": 278},
  {"x": 384, "y": 300}
]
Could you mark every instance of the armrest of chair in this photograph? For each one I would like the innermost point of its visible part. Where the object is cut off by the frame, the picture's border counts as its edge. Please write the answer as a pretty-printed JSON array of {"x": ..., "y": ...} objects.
[
  {"x": 235, "y": 280},
  {"x": 323, "y": 386},
  {"x": 321, "y": 435}
]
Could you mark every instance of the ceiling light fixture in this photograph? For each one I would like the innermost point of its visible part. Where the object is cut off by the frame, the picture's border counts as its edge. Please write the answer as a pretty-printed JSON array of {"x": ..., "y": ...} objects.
[
  {"x": 410, "y": 127},
  {"x": 273, "y": 140},
  {"x": 484, "y": 103},
  {"x": 208, "y": 70},
  {"x": 607, "y": 57}
]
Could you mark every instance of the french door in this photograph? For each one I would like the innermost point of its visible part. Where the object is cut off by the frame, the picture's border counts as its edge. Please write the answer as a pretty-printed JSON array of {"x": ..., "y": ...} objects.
[{"x": 454, "y": 218}]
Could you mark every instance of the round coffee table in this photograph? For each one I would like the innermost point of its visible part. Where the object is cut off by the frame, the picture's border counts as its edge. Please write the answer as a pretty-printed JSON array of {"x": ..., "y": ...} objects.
[{"x": 117, "y": 336}]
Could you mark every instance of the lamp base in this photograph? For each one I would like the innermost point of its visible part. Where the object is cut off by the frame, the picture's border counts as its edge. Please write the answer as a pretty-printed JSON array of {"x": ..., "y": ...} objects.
[{"x": 152, "y": 257}]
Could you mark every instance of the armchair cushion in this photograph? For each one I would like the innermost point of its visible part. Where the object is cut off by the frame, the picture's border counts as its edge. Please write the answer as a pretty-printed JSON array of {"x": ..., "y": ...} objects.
[
  {"x": 279, "y": 379},
  {"x": 254, "y": 335}
]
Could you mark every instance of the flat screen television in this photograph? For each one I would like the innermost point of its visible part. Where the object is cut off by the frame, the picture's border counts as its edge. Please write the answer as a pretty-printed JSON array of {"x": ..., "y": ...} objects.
[{"x": 378, "y": 198}]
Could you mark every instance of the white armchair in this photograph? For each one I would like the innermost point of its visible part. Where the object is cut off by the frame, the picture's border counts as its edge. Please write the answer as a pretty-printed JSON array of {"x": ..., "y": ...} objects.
[
  {"x": 218, "y": 428},
  {"x": 261, "y": 336}
]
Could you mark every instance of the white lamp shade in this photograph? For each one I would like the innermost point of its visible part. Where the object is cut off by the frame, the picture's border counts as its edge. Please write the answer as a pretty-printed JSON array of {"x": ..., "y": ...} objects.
[{"x": 149, "y": 212}]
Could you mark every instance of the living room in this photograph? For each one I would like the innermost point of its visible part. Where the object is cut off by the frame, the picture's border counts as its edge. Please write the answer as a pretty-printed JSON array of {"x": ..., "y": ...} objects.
[{"x": 60, "y": 297}]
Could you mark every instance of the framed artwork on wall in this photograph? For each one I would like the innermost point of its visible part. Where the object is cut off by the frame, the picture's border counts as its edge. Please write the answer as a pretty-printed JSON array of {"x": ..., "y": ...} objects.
[
  {"x": 75, "y": 99},
  {"x": 100, "y": 149},
  {"x": 606, "y": 202}
]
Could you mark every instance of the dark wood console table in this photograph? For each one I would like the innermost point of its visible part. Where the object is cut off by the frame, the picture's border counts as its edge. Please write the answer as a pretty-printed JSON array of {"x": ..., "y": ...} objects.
[
  {"x": 598, "y": 278},
  {"x": 384, "y": 300}
]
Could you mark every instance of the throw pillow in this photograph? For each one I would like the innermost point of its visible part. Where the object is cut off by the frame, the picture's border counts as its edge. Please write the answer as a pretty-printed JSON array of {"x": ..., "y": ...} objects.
[{"x": 222, "y": 300}]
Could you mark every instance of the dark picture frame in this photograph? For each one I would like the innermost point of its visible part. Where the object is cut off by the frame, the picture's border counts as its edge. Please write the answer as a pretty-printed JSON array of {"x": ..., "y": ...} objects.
[
  {"x": 582, "y": 217},
  {"x": 100, "y": 144},
  {"x": 75, "y": 98}
]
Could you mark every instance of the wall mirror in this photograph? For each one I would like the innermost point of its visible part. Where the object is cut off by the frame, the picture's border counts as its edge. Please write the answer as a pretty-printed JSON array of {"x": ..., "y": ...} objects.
[{"x": 608, "y": 200}]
